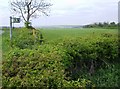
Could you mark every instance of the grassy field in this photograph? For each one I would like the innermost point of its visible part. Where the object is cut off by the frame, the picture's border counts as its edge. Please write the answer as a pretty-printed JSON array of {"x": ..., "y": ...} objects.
[{"x": 54, "y": 34}]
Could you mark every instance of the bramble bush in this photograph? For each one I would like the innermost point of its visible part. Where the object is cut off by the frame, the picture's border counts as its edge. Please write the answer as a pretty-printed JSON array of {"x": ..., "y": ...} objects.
[{"x": 60, "y": 63}]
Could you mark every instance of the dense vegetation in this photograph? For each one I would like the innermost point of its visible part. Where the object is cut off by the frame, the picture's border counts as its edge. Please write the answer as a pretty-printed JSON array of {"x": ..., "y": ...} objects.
[
  {"x": 108, "y": 25},
  {"x": 66, "y": 60}
]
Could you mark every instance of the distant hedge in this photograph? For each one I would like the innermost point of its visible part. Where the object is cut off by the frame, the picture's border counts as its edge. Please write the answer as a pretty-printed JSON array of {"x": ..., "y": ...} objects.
[{"x": 60, "y": 63}]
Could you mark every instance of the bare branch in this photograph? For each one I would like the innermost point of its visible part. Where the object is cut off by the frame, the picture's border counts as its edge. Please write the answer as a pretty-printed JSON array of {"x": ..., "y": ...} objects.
[
  {"x": 18, "y": 7},
  {"x": 22, "y": 14},
  {"x": 30, "y": 8}
]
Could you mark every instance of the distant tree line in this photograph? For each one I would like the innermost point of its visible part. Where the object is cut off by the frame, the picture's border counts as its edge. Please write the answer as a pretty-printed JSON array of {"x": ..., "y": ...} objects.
[{"x": 103, "y": 25}]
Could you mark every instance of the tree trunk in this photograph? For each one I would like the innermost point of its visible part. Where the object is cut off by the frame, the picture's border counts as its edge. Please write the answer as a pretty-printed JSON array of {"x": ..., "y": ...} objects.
[{"x": 27, "y": 23}]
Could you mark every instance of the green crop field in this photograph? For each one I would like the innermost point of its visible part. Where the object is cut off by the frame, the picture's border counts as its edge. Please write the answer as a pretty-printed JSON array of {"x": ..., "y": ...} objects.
[{"x": 54, "y": 34}]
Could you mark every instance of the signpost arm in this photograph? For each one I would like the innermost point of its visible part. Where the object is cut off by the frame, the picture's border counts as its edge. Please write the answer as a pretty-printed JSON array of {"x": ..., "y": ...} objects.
[{"x": 13, "y": 20}]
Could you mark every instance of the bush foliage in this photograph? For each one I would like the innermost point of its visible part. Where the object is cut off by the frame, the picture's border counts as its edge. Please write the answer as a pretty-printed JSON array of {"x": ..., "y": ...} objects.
[
  {"x": 26, "y": 39},
  {"x": 68, "y": 62}
]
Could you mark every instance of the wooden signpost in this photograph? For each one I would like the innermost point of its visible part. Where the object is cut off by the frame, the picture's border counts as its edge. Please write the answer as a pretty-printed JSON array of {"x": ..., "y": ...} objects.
[{"x": 13, "y": 20}]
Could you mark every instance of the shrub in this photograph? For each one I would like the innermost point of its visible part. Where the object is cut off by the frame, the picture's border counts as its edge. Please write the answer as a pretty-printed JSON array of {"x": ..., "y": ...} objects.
[
  {"x": 86, "y": 55},
  {"x": 25, "y": 38},
  {"x": 25, "y": 67}
]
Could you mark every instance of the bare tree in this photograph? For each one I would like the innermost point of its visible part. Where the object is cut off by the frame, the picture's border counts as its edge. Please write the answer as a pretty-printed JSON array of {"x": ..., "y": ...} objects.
[{"x": 30, "y": 8}]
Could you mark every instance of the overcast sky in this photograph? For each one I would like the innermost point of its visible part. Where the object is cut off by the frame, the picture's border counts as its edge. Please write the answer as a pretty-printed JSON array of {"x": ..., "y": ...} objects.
[{"x": 70, "y": 12}]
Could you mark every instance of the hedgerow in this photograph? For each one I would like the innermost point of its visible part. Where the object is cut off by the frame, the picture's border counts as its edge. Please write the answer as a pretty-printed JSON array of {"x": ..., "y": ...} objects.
[
  {"x": 90, "y": 54},
  {"x": 43, "y": 67},
  {"x": 60, "y": 63}
]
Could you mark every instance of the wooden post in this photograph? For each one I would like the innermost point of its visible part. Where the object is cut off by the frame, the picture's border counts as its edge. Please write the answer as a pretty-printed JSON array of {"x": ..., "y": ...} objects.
[{"x": 10, "y": 28}]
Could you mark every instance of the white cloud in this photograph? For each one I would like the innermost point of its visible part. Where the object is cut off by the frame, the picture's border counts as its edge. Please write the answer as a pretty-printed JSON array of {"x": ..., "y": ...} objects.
[
  {"x": 74, "y": 11},
  {"x": 60, "y": 6}
]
